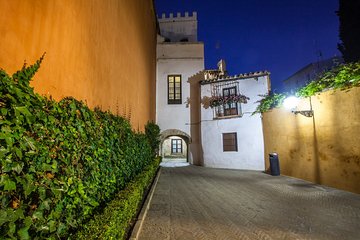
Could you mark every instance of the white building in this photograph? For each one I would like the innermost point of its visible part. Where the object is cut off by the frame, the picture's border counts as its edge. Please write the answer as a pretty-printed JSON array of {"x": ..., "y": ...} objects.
[
  {"x": 179, "y": 56},
  {"x": 231, "y": 136},
  {"x": 224, "y": 136}
]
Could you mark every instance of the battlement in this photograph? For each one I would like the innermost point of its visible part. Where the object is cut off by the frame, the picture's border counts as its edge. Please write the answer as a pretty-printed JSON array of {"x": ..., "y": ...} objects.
[
  {"x": 179, "y": 28},
  {"x": 178, "y": 17}
]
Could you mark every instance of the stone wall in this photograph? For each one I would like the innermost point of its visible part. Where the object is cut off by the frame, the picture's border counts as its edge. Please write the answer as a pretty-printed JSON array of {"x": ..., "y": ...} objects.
[
  {"x": 99, "y": 51},
  {"x": 323, "y": 149}
]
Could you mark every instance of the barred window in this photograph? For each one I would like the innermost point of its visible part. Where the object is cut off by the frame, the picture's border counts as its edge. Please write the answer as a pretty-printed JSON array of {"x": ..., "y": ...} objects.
[
  {"x": 226, "y": 91},
  {"x": 230, "y": 108}
]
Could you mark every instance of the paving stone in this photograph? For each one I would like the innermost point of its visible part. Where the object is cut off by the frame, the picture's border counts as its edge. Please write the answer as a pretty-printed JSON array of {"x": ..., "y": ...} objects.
[{"x": 204, "y": 203}]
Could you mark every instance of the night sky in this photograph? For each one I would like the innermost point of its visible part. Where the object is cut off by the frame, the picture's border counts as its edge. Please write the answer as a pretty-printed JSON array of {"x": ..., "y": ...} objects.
[{"x": 280, "y": 36}]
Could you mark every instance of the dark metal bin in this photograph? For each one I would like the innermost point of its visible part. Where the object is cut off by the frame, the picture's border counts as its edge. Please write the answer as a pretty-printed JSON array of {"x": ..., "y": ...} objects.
[{"x": 274, "y": 164}]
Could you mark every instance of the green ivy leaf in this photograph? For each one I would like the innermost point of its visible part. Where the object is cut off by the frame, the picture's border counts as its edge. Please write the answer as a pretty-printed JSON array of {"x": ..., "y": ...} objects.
[
  {"x": 52, "y": 226},
  {"x": 9, "y": 185},
  {"x": 12, "y": 229},
  {"x": 38, "y": 215},
  {"x": 28, "y": 221},
  {"x": 3, "y": 217},
  {"x": 4, "y": 111},
  {"x": 30, "y": 143},
  {"x": 3, "y": 152},
  {"x": 23, "y": 233},
  {"x": 14, "y": 215},
  {"x": 18, "y": 168},
  {"x": 18, "y": 153},
  {"x": 28, "y": 188},
  {"x": 61, "y": 228},
  {"x": 23, "y": 110},
  {"x": 42, "y": 193}
]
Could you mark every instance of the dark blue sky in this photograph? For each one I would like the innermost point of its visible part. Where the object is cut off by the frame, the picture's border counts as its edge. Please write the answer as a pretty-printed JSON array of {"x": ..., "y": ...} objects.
[{"x": 280, "y": 36}]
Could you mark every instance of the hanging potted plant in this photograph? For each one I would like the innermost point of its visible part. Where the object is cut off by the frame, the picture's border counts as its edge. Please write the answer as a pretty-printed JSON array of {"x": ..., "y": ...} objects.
[{"x": 215, "y": 101}]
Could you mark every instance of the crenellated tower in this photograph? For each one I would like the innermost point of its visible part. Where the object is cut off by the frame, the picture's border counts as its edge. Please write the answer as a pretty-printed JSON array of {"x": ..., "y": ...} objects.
[
  {"x": 178, "y": 28},
  {"x": 179, "y": 56}
]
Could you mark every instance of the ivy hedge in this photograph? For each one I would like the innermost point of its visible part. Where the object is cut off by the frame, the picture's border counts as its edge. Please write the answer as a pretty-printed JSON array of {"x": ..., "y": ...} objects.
[
  {"x": 342, "y": 77},
  {"x": 114, "y": 221},
  {"x": 59, "y": 161}
]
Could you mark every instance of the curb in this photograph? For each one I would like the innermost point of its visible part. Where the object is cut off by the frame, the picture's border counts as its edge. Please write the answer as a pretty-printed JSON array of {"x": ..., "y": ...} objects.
[{"x": 140, "y": 220}]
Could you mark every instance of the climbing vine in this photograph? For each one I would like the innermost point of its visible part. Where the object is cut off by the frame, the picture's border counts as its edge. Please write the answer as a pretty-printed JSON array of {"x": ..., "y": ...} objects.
[
  {"x": 342, "y": 77},
  {"x": 59, "y": 161}
]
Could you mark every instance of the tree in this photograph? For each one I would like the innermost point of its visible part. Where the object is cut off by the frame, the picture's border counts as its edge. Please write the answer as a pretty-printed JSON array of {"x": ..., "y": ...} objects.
[{"x": 349, "y": 32}]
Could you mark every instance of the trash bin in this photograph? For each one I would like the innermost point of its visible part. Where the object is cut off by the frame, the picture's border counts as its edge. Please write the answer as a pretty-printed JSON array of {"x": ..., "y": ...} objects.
[{"x": 274, "y": 164}]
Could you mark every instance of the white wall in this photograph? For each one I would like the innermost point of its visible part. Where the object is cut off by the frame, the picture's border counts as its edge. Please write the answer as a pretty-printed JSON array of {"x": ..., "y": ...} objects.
[
  {"x": 250, "y": 154},
  {"x": 185, "y": 59}
]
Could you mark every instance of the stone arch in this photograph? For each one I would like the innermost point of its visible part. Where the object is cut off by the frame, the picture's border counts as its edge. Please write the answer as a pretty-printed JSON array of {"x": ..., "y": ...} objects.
[{"x": 175, "y": 133}]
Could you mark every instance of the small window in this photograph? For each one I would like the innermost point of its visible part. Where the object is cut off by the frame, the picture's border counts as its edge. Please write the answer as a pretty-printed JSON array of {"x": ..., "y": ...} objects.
[
  {"x": 174, "y": 89},
  {"x": 230, "y": 142},
  {"x": 176, "y": 146}
]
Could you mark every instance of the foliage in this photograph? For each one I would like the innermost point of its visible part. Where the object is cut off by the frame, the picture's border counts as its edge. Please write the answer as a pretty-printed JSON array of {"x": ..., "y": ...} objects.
[
  {"x": 113, "y": 222},
  {"x": 349, "y": 33},
  {"x": 342, "y": 77},
  {"x": 215, "y": 101},
  {"x": 152, "y": 132},
  {"x": 60, "y": 161},
  {"x": 269, "y": 101}
]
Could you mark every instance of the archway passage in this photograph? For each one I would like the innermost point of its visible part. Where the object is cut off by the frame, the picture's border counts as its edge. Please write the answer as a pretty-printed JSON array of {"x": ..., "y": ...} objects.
[{"x": 174, "y": 146}]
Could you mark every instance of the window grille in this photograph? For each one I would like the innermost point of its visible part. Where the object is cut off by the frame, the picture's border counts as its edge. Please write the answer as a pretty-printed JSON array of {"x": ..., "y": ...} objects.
[{"x": 226, "y": 89}]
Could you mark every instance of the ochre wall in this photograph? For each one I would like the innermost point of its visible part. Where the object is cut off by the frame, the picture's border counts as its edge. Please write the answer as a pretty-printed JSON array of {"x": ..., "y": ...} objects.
[
  {"x": 324, "y": 149},
  {"x": 101, "y": 51}
]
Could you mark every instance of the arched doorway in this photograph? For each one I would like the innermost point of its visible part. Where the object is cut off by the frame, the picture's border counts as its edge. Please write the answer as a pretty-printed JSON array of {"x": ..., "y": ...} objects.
[{"x": 174, "y": 146}]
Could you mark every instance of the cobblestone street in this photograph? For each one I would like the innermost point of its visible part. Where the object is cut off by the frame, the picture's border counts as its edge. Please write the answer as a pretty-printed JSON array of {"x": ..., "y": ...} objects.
[{"x": 203, "y": 203}]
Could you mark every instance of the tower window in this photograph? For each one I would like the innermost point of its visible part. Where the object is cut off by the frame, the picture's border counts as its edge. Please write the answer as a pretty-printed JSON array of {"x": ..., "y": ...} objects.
[{"x": 174, "y": 89}]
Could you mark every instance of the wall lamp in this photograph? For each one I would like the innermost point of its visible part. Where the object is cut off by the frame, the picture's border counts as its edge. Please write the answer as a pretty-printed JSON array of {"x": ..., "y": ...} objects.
[{"x": 292, "y": 102}]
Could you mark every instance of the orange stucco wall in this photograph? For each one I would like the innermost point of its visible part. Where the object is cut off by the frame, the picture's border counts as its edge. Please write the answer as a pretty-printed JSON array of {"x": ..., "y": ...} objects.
[
  {"x": 99, "y": 51},
  {"x": 324, "y": 149}
]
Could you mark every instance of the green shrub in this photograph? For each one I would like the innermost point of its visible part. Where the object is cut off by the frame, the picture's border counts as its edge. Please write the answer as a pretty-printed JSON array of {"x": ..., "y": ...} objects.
[
  {"x": 152, "y": 132},
  {"x": 342, "y": 77},
  {"x": 60, "y": 161},
  {"x": 114, "y": 221},
  {"x": 269, "y": 101}
]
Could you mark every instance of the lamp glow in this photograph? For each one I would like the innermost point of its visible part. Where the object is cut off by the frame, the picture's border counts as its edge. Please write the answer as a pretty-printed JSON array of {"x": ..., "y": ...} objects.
[{"x": 291, "y": 102}]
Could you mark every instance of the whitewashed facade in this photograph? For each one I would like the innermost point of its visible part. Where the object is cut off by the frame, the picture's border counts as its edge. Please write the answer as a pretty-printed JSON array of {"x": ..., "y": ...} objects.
[
  {"x": 179, "y": 56},
  {"x": 191, "y": 130},
  {"x": 231, "y": 136},
  {"x": 176, "y": 59}
]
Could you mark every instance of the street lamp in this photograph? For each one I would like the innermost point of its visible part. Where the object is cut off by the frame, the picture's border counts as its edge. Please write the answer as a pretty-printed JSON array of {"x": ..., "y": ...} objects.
[{"x": 292, "y": 102}]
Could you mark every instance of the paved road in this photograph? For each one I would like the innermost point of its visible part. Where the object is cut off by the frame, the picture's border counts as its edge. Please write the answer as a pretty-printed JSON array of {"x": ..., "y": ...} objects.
[{"x": 201, "y": 203}]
